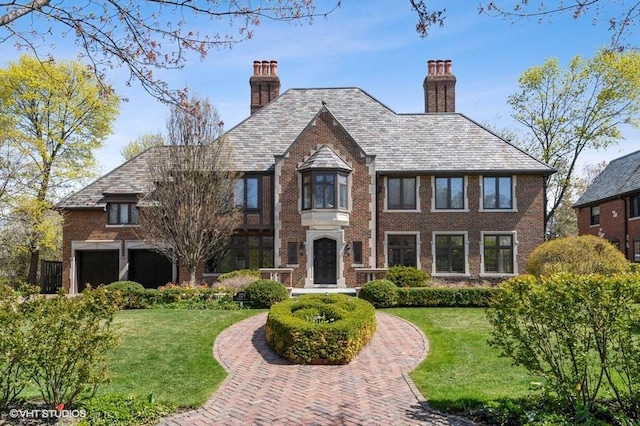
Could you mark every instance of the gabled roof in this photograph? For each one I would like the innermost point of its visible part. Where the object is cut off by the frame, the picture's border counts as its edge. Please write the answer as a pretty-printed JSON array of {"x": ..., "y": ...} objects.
[
  {"x": 324, "y": 158},
  {"x": 129, "y": 178},
  {"x": 436, "y": 142},
  {"x": 401, "y": 143},
  {"x": 620, "y": 177}
]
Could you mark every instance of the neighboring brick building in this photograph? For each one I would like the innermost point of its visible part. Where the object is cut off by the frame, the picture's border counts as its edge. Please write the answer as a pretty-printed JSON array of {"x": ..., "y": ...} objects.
[
  {"x": 610, "y": 207},
  {"x": 336, "y": 185}
]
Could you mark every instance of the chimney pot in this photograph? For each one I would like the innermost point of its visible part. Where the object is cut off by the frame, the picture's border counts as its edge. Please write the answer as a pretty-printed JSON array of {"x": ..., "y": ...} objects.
[
  {"x": 256, "y": 67},
  {"x": 431, "y": 66},
  {"x": 439, "y": 66},
  {"x": 447, "y": 66},
  {"x": 265, "y": 68},
  {"x": 274, "y": 67}
]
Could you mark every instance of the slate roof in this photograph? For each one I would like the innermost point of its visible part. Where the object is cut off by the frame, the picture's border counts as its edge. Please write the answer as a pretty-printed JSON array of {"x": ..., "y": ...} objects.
[
  {"x": 620, "y": 177},
  {"x": 324, "y": 158},
  {"x": 425, "y": 143}
]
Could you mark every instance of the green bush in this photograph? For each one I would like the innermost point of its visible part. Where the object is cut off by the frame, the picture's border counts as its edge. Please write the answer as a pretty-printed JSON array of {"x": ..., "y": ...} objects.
[
  {"x": 407, "y": 276},
  {"x": 124, "y": 286},
  {"x": 315, "y": 329},
  {"x": 446, "y": 296},
  {"x": 264, "y": 293},
  {"x": 586, "y": 254},
  {"x": 579, "y": 332},
  {"x": 14, "y": 350},
  {"x": 380, "y": 293},
  {"x": 68, "y": 339},
  {"x": 240, "y": 273},
  {"x": 122, "y": 410}
]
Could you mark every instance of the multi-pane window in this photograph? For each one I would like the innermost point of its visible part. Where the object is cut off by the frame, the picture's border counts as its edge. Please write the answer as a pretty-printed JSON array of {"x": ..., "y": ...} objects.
[
  {"x": 402, "y": 250},
  {"x": 595, "y": 215},
  {"x": 244, "y": 252},
  {"x": 401, "y": 193},
  {"x": 498, "y": 254},
  {"x": 450, "y": 253},
  {"x": 247, "y": 193},
  {"x": 636, "y": 251},
  {"x": 634, "y": 206},
  {"x": 497, "y": 192},
  {"x": 292, "y": 253},
  {"x": 122, "y": 214},
  {"x": 324, "y": 190},
  {"x": 449, "y": 193},
  {"x": 357, "y": 252}
]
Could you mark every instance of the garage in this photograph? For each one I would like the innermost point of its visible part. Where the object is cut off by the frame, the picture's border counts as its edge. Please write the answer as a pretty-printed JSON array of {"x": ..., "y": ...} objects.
[
  {"x": 96, "y": 267},
  {"x": 149, "y": 268}
]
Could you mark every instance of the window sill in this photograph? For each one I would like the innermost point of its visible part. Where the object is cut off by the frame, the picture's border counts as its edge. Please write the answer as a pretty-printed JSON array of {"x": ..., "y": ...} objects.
[
  {"x": 401, "y": 211},
  {"x": 498, "y": 210},
  {"x": 450, "y": 210},
  {"x": 450, "y": 275},
  {"x": 497, "y": 275},
  {"x": 634, "y": 218},
  {"x": 292, "y": 265},
  {"x": 597, "y": 225},
  {"x": 123, "y": 225}
]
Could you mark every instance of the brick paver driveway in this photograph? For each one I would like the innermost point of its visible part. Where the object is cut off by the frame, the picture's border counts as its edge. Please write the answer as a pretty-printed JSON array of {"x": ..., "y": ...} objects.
[{"x": 264, "y": 389}]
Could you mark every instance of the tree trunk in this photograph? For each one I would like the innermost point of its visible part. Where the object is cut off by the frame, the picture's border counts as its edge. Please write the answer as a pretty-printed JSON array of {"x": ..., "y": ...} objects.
[
  {"x": 192, "y": 277},
  {"x": 33, "y": 267}
]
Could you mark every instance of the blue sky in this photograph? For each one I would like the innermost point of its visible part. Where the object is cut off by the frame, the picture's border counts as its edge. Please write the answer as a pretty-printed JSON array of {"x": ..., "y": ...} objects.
[{"x": 371, "y": 45}]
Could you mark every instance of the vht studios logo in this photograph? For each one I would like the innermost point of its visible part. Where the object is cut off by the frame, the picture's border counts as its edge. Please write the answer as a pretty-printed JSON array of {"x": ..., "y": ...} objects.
[{"x": 59, "y": 412}]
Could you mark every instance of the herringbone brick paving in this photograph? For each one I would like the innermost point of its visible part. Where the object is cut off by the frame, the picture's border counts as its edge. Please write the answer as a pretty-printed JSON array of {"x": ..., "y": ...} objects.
[{"x": 264, "y": 389}]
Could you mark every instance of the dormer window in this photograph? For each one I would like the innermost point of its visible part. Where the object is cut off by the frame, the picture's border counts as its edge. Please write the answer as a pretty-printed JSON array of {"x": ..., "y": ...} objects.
[
  {"x": 122, "y": 214},
  {"x": 324, "y": 190}
]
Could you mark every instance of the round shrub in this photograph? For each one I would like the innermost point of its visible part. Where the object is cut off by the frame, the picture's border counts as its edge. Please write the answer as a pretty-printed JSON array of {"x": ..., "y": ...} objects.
[
  {"x": 586, "y": 254},
  {"x": 264, "y": 293},
  {"x": 380, "y": 293},
  {"x": 407, "y": 276},
  {"x": 124, "y": 286}
]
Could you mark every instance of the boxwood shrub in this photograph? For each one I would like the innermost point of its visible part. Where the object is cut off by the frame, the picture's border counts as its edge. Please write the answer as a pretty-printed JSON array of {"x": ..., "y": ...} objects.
[
  {"x": 320, "y": 329},
  {"x": 407, "y": 276},
  {"x": 380, "y": 293},
  {"x": 124, "y": 286},
  {"x": 264, "y": 293},
  {"x": 385, "y": 294}
]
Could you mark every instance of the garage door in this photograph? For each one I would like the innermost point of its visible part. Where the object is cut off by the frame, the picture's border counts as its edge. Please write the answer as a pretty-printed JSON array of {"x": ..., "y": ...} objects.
[
  {"x": 149, "y": 268},
  {"x": 96, "y": 267}
]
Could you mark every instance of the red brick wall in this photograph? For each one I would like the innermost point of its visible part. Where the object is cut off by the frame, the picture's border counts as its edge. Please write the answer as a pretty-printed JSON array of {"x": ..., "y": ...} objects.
[
  {"x": 613, "y": 215},
  {"x": 527, "y": 221},
  {"x": 88, "y": 224},
  {"x": 325, "y": 131}
]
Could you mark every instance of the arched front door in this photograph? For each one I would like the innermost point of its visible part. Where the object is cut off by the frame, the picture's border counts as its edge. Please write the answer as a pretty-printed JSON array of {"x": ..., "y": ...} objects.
[{"x": 324, "y": 261}]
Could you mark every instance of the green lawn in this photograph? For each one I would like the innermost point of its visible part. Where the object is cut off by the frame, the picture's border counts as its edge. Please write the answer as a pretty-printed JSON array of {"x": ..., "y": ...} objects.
[
  {"x": 168, "y": 353},
  {"x": 461, "y": 368}
]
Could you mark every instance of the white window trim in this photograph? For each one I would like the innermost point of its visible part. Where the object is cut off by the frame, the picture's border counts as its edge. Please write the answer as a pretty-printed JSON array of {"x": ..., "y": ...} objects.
[
  {"x": 465, "y": 196},
  {"x": 386, "y": 245},
  {"x": 466, "y": 255},
  {"x": 514, "y": 198},
  {"x": 596, "y": 225},
  {"x": 514, "y": 235},
  {"x": 385, "y": 208}
]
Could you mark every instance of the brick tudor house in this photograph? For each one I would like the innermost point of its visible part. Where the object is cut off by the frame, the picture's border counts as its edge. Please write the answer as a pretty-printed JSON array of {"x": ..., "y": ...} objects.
[
  {"x": 336, "y": 187},
  {"x": 610, "y": 207}
]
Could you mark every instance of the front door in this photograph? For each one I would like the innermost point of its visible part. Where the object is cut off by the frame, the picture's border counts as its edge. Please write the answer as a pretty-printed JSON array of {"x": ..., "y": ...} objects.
[{"x": 324, "y": 261}]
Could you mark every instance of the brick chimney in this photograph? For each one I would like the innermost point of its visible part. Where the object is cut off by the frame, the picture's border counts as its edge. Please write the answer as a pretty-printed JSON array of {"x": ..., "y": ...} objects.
[
  {"x": 265, "y": 84},
  {"x": 439, "y": 87}
]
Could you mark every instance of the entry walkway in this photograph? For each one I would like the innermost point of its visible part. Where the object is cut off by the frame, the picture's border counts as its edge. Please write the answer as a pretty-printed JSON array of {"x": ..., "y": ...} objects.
[{"x": 264, "y": 389}]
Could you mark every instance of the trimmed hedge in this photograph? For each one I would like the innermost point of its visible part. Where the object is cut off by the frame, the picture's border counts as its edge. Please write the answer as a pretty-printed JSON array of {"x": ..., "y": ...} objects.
[
  {"x": 264, "y": 293},
  {"x": 173, "y": 296},
  {"x": 240, "y": 273},
  {"x": 384, "y": 294},
  {"x": 124, "y": 286},
  {"x": 320, "y": 329},
  {"x": 407, "y": 276}
]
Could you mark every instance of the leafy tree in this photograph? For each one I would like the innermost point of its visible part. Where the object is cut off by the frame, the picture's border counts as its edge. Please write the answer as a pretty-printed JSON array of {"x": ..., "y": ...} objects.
[
  {"x": 568, "y": 111},
  {"x": 55, "y": 114},
  {"x": 146, "y": 35},
  {"x": 140, "y": 144},
  {"x": 620, "y": 16},
  {"x": 189, "y": 212}
]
